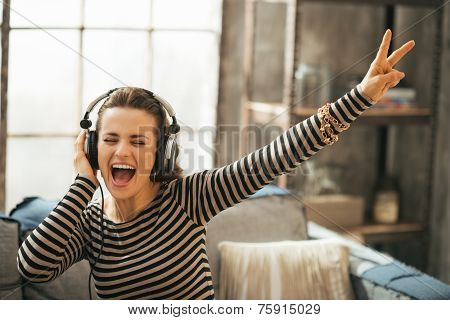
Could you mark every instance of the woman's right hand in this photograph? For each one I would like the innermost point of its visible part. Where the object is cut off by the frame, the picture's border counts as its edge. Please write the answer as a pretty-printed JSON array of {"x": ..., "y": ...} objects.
[{"x": 81, "y": 162}]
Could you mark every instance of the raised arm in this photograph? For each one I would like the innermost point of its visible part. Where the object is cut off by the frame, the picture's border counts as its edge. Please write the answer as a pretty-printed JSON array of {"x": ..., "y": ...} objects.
[{"x": 203, "y": 195}]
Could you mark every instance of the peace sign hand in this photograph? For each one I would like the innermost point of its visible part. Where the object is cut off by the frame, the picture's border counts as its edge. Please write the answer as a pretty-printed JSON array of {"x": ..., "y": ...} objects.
[{"x": 381, "y": 75}]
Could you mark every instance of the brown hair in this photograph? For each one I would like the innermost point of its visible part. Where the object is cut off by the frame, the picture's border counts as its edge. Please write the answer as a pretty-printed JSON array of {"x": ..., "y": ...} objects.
[{"x": 138, "y": 98}]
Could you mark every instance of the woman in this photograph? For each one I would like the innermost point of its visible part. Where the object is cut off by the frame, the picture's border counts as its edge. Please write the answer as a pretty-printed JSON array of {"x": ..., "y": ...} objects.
[{"x": 154, "y": 232}]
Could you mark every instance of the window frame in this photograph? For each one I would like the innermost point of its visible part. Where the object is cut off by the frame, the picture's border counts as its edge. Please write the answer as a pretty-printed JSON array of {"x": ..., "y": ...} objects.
[{"x": 5, "y": 33}]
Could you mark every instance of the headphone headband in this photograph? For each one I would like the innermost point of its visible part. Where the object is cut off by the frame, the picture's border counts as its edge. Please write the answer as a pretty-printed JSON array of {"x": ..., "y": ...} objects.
[{"x": 85, "y": 123}]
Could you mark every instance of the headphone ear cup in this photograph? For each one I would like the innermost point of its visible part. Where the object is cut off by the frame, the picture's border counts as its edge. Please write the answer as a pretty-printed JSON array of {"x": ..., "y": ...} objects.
[
  {"x": 163, "y": 160},
  {"x": 165, "y": 157},
  {"x": 92, "y": 152},
  {"x": 159, "y": 159},
  {"x": 173, "y": 156}
]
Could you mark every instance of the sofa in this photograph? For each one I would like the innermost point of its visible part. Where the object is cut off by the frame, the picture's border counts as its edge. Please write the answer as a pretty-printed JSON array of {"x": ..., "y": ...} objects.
[{"x": 269, "y": 216}]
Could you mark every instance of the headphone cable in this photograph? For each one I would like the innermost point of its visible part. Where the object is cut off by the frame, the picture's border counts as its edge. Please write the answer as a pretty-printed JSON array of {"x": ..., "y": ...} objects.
[{"x": 101, "y": 248}]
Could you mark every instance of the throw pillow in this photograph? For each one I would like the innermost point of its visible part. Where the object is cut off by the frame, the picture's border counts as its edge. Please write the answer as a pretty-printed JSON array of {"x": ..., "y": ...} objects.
[{"x": 300, "y": 270}]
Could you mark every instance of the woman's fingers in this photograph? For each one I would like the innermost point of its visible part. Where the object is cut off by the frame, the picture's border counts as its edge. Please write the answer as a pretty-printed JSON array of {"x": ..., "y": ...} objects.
[
  {"x": 392, "y": 77},
  {"x": 79, "y": 143},
  {"x": 384, "y": 47},
  {"x": 399, "y": 53},
  {"x": 385, "y": 89}
]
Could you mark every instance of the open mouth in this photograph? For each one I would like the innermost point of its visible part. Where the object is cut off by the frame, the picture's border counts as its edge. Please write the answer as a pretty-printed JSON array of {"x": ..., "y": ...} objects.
[{"x": 122, "y": 176}]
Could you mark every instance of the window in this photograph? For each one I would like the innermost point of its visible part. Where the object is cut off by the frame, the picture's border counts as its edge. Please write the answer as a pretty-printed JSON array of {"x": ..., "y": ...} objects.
[{"x": 63, "y": 54}]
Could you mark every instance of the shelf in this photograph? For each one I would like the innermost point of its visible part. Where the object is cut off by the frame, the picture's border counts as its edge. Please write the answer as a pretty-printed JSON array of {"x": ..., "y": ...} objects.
[
  {"x": 269, "y": 113},
  {"x": 379, "y": 115},
  {"x": 385, "y": 233},
  {"x": 268, "y": 107},
  {"x": 427, "y": 3}
]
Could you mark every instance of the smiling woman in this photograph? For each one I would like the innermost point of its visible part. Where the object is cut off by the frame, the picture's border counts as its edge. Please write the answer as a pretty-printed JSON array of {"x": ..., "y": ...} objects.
[
  {"x": 158, "y": 251},
  {"x": 121, "y": 150},
  {"x": 129, "y": 126},
  {"x": 154, "y": 230}
]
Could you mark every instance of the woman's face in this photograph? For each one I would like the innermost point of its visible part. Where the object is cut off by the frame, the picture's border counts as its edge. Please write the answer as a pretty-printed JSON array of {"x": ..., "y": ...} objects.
[{"x": 127, "y": 139}]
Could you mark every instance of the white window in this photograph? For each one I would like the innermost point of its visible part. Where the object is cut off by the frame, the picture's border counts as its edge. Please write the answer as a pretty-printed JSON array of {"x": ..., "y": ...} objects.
[{"x": 63, "y": 54}]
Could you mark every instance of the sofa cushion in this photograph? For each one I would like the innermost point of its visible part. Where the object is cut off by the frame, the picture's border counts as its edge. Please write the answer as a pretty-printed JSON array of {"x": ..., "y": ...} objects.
[
  {"x": 269, "y": 218},
  {"x": 312, "y": 269},
  {"x": 10, "y": 279}
]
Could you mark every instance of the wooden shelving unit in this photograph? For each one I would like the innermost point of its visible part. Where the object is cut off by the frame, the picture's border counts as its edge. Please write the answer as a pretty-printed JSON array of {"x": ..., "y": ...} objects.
[
  {"x": 379, "y": 115},
  {"x": 384, "y": 233},
  {"x": 285, "y": 113},
  {"x": 261, "y": 111},
  {"x": 426, "y": 3}
]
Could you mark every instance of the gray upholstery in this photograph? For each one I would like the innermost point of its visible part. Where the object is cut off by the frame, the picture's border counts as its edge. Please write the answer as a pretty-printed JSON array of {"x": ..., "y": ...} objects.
[
  {"x": 272, "y": 218},
  {"x": 9, "y": 245}
]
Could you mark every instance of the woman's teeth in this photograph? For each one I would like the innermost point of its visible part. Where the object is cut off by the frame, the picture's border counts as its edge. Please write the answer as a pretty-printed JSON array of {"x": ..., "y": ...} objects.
[{"x": 122, "y": 166}]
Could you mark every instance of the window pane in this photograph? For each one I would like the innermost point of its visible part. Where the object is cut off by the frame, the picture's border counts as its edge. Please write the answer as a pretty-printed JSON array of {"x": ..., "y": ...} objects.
[
  {"x": 123, "y": 56},
  {"x": 117, "y": 13},
  {"x": 45, "y": 13},
  {"x": 201, "y": 14},
  {"x": 38, "y": 167},
  {"x": 43, "y": 82},
  {"x": 185, "y": 72},
  {"x": 196, "y": 153}
]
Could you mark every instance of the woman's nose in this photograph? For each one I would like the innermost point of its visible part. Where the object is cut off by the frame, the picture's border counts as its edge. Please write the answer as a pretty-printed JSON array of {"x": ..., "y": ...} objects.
[{"x": 123, "y": 149}]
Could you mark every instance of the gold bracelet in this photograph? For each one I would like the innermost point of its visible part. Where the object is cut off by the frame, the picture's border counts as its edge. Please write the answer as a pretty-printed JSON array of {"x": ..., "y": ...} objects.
[
  {"x": 325, "y": 130},
  {"x": 325, "y": 127},
  {"x": 326, "y": 110},
  {"x": 327, "y": 133}
]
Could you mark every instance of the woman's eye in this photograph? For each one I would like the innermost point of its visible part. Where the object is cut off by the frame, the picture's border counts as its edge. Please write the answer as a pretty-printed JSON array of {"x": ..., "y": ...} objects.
[{"x": 135, "y": 142}]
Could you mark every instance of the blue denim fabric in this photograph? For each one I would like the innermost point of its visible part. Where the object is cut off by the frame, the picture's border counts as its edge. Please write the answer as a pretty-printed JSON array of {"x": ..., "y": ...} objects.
[
  {"x": 32, "y": 211},
  {"x": 270, "y": 190}
]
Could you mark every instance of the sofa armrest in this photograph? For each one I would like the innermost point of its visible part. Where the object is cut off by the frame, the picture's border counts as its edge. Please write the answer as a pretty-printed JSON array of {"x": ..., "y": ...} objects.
[
  {"x": 376, "y": 275},
  {"x": 368, "y": 290},
  {"x": 10, "y": 280}
]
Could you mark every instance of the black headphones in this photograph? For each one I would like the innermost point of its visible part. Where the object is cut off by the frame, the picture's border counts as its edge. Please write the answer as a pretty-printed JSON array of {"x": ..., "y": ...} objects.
[{"x": 166, "y": 149}]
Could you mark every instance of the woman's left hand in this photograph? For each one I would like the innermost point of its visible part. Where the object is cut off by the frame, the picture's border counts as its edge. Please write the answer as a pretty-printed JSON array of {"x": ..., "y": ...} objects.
[{"x": 382, "y": 75}]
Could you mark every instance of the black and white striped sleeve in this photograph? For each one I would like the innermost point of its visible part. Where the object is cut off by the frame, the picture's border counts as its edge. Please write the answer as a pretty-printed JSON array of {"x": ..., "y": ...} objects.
[
  {"x": 204, "y": 194},
  {"x": 59, "y": 241}
]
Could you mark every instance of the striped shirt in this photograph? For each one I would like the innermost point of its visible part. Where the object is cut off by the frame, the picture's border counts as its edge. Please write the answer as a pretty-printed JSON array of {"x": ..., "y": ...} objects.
[{"x": 161, "y": 252}]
